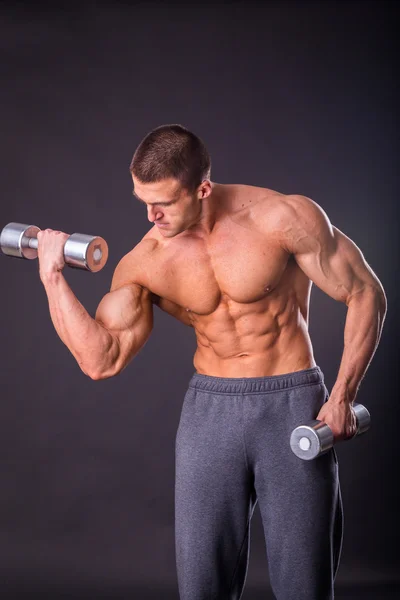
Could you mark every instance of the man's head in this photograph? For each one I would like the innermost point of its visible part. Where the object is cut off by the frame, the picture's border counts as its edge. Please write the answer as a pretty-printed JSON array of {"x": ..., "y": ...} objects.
[{"x": 170, "y": 171}]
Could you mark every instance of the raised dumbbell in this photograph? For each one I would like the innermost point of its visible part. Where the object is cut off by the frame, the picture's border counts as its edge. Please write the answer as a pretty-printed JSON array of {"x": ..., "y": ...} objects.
[
  {"x": 80, "y": 250},
  {"x": 316, "y": 437}
]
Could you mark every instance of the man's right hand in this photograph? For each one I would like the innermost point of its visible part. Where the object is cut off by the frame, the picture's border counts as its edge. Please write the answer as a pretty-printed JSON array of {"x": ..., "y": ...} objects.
[{"x": 51, "y": 252}]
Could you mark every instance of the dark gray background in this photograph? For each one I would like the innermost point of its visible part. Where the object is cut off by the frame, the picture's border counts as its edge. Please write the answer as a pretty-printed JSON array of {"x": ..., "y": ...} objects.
[{"x": 295, "y": 96}]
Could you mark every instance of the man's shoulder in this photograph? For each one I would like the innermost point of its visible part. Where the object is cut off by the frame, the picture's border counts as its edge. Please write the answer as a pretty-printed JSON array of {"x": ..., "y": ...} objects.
[
  {"x": 278, "y": 208},
  {"x": 132, "y": 266},
  {"x": 297, "y": 217},
  {"x": 300, "y": 202},
  {"x": 280, "y": 217},
  {"x": 267, "y": 207}
]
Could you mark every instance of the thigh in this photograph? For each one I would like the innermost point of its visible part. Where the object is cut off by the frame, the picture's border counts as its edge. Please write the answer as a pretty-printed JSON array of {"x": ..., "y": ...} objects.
[
  {"x": 214, "y": 499},
  {"x": 299, "y": 500}
]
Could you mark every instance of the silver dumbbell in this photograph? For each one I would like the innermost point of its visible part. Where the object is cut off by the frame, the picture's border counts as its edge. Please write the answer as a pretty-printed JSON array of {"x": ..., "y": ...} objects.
[
  {"x": 316, "y": 437},
  {"x": 80, "y": 250}
]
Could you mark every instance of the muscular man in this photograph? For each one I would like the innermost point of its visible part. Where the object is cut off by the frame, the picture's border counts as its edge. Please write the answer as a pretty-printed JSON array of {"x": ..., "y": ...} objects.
[{"x": 236, "y": 263}]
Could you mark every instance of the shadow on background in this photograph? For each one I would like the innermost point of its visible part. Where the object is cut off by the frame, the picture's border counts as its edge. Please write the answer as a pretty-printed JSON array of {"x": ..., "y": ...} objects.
[{"x": 52, "y": 592}]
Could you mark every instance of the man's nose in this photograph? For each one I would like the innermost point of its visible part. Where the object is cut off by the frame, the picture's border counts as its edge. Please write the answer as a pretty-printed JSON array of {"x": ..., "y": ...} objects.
[{"x": 153, "y": 214}]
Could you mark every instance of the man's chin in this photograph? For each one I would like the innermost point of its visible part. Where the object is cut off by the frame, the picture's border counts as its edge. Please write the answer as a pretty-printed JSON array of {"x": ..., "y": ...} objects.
[
  {"x": 167, "y": 233},
  {"x": 170, "y": 231}
]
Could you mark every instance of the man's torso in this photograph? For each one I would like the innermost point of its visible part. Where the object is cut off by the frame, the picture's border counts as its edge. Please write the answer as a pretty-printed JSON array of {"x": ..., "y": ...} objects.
[{"x": 239, "y": 288}]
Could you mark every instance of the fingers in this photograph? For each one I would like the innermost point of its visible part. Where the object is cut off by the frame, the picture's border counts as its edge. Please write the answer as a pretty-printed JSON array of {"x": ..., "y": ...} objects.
[
  {"x": 341, "y": 419},
  {"x": 42, "y": 231},
  {"x": 51, "y": 234},
  {"x": 353, "y": 424},
  {"x": 51, "y": 251}
]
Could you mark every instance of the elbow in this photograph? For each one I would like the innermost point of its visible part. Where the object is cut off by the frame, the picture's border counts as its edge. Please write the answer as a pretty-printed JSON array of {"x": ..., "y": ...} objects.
[
  {"x": 98, "y": 374},
  {"x": 382, "y": 306},
  {"x": 95, "y": 375},
  {"x": 106, "y": 373},
  {"x": 111, "y": 364},
  {"x": 381, "y": 300},
  {"x": 373, "y": 294},
  {"x": 107, "y": 366}
]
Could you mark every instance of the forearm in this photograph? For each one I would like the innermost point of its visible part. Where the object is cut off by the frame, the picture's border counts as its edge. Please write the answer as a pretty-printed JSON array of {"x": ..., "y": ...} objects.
[
  {"x": 363, "y": 327},
  {"x": 90, "y": 343}
]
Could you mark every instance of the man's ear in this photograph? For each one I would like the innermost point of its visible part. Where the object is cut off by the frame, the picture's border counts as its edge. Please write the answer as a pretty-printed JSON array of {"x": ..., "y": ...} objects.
[{"x": 204, "y": 190}]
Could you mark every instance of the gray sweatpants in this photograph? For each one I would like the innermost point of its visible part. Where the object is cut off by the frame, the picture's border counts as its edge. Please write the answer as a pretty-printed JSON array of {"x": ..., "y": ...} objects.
[{"x": 232, "y": 450}]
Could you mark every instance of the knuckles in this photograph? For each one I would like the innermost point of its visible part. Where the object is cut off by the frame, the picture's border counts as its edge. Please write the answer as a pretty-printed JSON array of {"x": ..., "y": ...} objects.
[{"x": 51, "y": 234}]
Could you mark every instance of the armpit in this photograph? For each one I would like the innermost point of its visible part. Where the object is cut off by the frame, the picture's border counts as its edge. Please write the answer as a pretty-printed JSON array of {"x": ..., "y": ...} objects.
[{"x": 172, "y": 309}]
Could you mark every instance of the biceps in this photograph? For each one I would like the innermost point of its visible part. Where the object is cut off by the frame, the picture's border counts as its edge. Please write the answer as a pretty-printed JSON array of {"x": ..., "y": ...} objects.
[
  {"x": 127, "y": 314},
  {"x": 338, "y": 267}
]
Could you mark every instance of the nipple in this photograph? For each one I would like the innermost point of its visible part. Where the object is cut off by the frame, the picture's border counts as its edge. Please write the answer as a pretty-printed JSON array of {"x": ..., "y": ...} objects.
[{"x": 267, "y": 288}]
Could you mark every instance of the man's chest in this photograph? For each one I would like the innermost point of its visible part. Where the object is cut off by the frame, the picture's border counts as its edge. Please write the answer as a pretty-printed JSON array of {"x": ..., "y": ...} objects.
[{"x": 238, "y": 263}]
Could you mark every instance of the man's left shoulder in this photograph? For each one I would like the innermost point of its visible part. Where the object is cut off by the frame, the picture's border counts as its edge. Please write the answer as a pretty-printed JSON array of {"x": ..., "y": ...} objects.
[
  {"x": 296, "y": 211},
  {"x": 277, "y": 209},
  {"x": 300, "y": 206},
  {"x": 288, "y": 217}
]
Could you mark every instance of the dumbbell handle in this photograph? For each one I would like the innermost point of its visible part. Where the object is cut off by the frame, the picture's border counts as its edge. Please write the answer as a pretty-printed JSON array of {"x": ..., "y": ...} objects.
[
  {"x": 33, "y": 243},
  {"x": 316, "y": 437}
]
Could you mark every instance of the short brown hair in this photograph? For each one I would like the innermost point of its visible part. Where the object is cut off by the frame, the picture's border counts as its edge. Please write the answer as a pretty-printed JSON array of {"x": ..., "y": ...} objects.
[{"x": 171, "y": 151}]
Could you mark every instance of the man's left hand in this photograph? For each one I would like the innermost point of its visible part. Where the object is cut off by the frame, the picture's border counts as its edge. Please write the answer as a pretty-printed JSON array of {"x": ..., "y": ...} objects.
[{"x": 340, "y": 417}]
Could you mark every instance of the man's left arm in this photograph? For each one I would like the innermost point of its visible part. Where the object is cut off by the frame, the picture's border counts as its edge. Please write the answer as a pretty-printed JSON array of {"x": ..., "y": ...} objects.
[{"x": 337, "y": 266}]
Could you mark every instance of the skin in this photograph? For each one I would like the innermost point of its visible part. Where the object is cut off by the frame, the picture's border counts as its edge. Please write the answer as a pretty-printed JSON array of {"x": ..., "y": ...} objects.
[{"x": 236, "y": 263}]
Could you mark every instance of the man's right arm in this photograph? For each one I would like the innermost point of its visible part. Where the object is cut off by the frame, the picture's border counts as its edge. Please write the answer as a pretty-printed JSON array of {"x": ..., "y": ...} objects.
[{"x": 103, "y": 346}]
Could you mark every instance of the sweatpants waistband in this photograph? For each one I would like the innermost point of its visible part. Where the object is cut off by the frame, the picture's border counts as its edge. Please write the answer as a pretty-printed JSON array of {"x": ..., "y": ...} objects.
[{"x": 251, "y": 385}]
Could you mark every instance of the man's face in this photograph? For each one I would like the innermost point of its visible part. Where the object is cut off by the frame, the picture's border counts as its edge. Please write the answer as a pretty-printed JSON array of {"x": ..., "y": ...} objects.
[{"x": 169, "y": 206}]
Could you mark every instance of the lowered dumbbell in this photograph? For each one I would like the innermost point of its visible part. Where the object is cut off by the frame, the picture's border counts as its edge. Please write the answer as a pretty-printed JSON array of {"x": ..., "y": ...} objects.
[
  {"x": 80, "y": 250},
  {"x": 316, "y": 437}
]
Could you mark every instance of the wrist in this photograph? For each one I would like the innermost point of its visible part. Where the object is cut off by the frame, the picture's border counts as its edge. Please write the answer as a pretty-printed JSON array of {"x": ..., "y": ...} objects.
[
  {"x": 342, "y": 393},
  {"x": 50, "y": 278}
]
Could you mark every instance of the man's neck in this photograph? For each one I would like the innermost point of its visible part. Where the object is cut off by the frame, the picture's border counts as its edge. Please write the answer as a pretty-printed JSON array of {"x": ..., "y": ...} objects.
[{"x": 210, "y": 208}]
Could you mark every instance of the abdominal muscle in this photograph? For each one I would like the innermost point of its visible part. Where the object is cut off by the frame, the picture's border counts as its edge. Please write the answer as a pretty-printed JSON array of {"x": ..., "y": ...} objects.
[{"x": 256, "y": 340}]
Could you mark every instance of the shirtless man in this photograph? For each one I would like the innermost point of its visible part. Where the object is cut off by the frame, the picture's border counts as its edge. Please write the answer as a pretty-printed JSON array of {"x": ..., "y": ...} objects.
[{"x": 236, "y": 263}]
